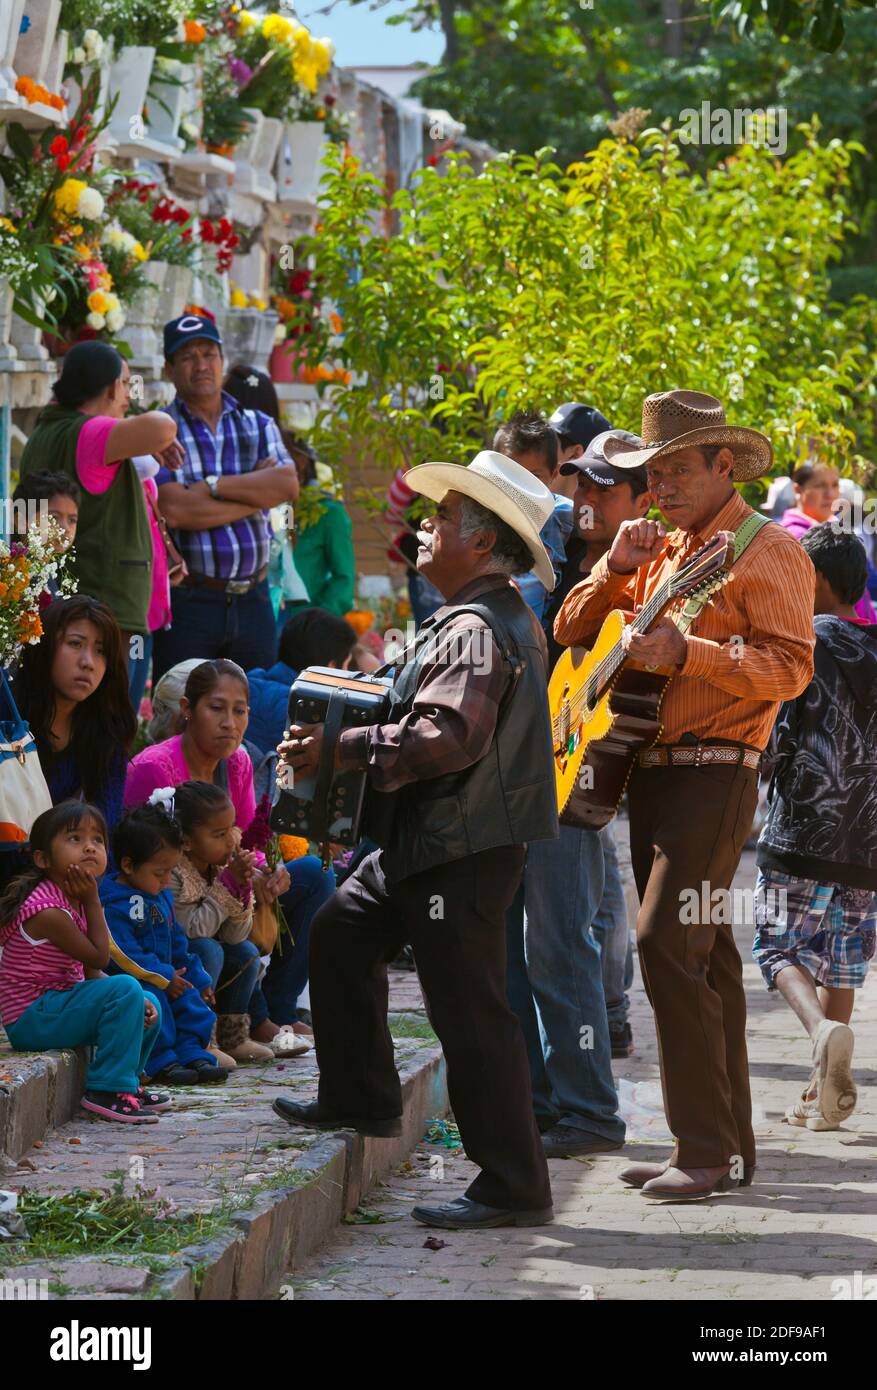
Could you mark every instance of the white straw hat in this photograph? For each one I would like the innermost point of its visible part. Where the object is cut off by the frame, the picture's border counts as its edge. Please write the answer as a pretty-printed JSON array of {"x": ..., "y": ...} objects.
[{"x": 504, "y": 488}]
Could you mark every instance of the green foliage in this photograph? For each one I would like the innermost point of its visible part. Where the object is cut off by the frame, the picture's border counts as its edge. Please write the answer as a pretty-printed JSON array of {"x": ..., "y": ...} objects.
[
  {"x": 526, "y": 284},
  {"x": 820, "y": 23},
  {"x": 523, "y": 74}
]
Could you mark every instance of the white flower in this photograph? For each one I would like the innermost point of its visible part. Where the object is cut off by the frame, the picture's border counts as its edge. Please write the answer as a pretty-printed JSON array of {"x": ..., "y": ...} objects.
[
  {"x": 95, "y": 321},
  {"x": 94, "y": 44},
  {"x": 78, "y": 55},
  {"x": 49, "y": 293},
  {"x": 115, "y": 320},
  {"x": 189, "y": 129},
  {"x": 163, "y": 797},
  {"x": 90, "y": 205}
]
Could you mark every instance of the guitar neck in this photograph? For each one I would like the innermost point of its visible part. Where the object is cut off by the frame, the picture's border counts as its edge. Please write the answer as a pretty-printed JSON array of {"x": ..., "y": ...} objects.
[{"x": 648, "y": 615}]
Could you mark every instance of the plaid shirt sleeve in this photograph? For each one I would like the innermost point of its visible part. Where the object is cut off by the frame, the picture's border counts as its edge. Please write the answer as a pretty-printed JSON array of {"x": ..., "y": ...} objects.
[
  {"x": 452, "y": 719},
  {"x": 276, "y": 448}
]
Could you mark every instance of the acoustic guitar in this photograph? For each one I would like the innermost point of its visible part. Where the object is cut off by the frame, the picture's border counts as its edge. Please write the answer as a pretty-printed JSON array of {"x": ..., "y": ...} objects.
[{"x": 605, "y": 708}]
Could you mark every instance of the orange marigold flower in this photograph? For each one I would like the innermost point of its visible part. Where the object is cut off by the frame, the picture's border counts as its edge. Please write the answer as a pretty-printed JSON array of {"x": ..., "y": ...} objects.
[
  {"x": 360, "y": 619},
  {"x": 195, "y": 32}
]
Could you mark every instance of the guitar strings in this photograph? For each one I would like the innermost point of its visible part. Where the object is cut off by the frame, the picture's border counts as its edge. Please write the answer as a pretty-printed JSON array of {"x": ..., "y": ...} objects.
[{"x": 594, "y": 688}]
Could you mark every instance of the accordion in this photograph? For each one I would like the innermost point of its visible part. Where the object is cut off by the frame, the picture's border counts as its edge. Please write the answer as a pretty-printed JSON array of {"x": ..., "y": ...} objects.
[{"x": 328, "y": 806}]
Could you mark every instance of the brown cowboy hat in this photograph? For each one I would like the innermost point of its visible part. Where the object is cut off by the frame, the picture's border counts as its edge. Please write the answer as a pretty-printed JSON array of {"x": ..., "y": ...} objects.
[{"x": 674, "y": 420}]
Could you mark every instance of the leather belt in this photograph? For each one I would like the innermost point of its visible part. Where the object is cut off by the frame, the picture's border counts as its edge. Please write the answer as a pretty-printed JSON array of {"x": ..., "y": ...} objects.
[
  {"x": 701, "y": 754},
  {"x": 232, "y": 587}
]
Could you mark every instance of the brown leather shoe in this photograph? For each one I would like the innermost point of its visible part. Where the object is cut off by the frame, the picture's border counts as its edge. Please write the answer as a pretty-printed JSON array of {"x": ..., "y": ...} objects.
[
  {"x": 638, "y": 1174},
  {"x": 690, "y": 1184}
]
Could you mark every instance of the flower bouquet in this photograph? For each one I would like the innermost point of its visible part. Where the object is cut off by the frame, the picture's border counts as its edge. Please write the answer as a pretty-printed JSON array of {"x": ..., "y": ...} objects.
[
  {"x": 269, "y": 923},
  {"x": 55, "y": 202},
  {"x": 278, "y": 65},
  {"x": 27, "y": 566}
]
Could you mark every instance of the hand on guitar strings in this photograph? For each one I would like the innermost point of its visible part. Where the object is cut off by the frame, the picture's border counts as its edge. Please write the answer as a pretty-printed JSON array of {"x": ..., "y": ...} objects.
[
  {"x": 636, "y": 543},
  {"x": 665, "y": 645},
  {"x": 300, "y": 750}
]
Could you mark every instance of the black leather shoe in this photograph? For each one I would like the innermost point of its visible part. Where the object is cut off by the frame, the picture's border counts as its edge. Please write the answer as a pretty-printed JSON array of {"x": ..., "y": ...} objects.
[
  {"x": 312, "y": 1115},
  {"x": 466, "y": 1215},
  {"x": 563, "y": 1142},
  {"x": 621, "y": 1040}
]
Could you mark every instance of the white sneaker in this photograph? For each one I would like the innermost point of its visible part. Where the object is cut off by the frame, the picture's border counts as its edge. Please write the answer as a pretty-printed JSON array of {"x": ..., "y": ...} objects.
[{"x": 832, "y": 1055}]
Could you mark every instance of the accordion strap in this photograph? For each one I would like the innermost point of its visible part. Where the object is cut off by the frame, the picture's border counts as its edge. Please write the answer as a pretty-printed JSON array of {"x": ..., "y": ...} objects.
[{"x": 332, "y": 724}]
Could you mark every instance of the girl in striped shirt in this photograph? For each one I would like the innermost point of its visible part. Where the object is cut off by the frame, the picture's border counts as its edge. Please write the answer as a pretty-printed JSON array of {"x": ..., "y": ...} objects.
[{"x": 55, "y": 945}]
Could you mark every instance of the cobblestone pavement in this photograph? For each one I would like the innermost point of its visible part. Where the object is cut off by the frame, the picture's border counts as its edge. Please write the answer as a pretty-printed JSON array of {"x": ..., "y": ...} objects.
[
  {"x": 810, "y": 1218},
  {"x": 217, "y": 1141}
]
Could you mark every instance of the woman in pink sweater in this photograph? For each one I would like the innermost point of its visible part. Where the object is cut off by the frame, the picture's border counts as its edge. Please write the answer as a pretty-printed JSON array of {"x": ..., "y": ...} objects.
[
  {"x": 215, "y": 713},
  {"x": 817, "y": 489}
]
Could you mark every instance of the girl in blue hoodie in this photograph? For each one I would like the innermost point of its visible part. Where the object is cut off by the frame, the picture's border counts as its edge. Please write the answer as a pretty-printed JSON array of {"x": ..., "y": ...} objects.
[{"x": 149, "y": 942}]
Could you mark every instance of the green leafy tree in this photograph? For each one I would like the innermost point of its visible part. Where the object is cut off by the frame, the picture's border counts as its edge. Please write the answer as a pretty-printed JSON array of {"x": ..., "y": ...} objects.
[
  {"x": 526, "y": 284},
  {"x": 523, "y": 74}
]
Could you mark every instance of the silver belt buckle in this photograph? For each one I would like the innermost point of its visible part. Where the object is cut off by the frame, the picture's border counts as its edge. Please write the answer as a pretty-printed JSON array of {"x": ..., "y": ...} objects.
[{"x": 238, "y": 586}]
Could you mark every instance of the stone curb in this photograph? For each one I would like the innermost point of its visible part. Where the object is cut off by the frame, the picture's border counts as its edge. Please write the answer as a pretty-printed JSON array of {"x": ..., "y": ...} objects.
[
  {"x": 285, "y": 1224},
  {"x": 43, "y": 1094}
]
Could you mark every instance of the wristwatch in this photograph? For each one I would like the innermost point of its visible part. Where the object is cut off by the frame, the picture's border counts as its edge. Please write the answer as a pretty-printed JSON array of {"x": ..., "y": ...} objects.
[{"x": 212, "y": 481}]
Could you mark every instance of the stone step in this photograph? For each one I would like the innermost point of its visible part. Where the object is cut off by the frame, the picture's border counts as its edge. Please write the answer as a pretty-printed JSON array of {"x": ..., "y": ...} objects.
[{"x": 38, "y": 1092}]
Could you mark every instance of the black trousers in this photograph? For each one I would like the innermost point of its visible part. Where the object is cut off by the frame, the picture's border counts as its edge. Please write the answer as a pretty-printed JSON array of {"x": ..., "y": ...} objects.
[{"x": 454, "y": 918}]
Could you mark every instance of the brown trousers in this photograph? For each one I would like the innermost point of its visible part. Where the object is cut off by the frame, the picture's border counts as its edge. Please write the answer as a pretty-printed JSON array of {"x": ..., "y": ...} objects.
[{"x": 688, "y": 827}]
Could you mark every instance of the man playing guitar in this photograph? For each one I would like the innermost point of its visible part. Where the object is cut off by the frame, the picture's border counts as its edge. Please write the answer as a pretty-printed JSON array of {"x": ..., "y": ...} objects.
[{"x": 693, "y": 795}]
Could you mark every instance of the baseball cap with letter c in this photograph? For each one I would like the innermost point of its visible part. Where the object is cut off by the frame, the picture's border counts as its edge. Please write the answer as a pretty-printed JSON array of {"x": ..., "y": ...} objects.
[{"x": 184, "y": 329}]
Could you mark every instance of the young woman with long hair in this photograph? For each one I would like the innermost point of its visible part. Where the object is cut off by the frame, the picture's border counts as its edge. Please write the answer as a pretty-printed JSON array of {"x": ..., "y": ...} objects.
[{"x": 72, "y": 688}]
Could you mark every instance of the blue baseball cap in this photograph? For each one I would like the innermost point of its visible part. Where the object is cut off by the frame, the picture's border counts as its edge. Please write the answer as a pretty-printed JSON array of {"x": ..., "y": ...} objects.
[
  {"x": 578, "y": 423},
  {"x": 184, "y": 329}
]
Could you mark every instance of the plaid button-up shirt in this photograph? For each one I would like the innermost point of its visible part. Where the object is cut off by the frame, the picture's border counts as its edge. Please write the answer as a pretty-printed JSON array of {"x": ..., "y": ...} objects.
[
  {"x": 242, "y": 439},
  {"x": 455, "y": 708}
]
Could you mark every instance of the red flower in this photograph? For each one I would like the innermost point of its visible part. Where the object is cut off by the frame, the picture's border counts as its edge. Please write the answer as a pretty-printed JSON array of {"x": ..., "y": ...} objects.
[
  {"x": 59, "y": 145},
  {"x": 63, "y": 161}
]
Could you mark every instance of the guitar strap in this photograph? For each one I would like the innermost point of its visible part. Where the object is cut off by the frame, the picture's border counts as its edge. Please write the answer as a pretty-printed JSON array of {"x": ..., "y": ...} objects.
[{"x": 743, "y": 536}]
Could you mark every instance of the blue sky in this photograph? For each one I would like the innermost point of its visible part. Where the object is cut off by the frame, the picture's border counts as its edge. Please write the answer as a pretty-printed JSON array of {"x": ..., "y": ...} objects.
[{"x": 361, "y": 35}]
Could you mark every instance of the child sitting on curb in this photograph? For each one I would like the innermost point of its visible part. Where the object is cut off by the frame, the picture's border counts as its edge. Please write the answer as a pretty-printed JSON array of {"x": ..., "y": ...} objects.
[
  {"x": 55, "y": 945},
  {"x": 140, "y": 915},
  {"x": 817, "y": 853},
  {"x": 215, "y": 905}
]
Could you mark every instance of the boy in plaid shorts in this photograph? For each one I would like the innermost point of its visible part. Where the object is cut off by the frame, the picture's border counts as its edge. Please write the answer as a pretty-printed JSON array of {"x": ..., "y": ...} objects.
[{"x": 817, "y": 853}]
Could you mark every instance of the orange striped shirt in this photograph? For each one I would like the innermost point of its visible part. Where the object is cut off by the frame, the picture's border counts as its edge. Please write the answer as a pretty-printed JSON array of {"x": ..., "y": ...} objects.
[{"x": 724, "y": 690}]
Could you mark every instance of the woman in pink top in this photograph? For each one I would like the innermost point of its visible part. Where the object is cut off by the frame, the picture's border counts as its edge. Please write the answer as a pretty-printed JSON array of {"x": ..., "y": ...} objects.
[
  {"x": 817, "y": 489},
  {"x": 55, "y": 946},
  {"x": 83, "y": 433},
  {"x": 215, "y": 712}
]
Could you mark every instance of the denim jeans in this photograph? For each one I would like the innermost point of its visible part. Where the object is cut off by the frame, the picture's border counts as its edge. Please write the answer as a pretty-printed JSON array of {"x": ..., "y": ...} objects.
[
  {"x": 563, "y": 885},
  {"x": 612, "y": 935},
  {"x": 277, "y": 995},
  {"x": 138, "y": 670},
  {"x": 208, "y": 623},
  {"x": 233, "y": 970}
]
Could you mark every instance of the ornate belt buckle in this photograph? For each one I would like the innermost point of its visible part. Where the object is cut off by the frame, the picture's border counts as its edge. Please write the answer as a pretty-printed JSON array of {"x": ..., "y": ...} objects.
[{"x": 238, "y": 586}]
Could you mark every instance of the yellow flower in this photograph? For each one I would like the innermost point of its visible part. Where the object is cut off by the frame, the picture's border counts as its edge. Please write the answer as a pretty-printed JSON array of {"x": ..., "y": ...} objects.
[
  {"x": 98, "y": 302},
  {"x": 76, "y": 231},
  {"x": 257, "y": 303},
  {"x": 139, "y": 253},
  {"x": 9, "y": 226},
  {"x": 238, "y": 299},
  {"x": 321, "y": 52},
  {"x": 83, "y": 250},
  {"x": 111, "y": 301},
  {"x": 277, "y": 26},
  {"x": 246, "y": 21},
  {"x": 68, "y": 195},
  {"x": 301, "y": 40}
]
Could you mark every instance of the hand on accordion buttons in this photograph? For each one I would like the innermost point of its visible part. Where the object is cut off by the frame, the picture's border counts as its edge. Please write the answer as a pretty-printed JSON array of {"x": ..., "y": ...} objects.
[{"x": 301, "y": 751}]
